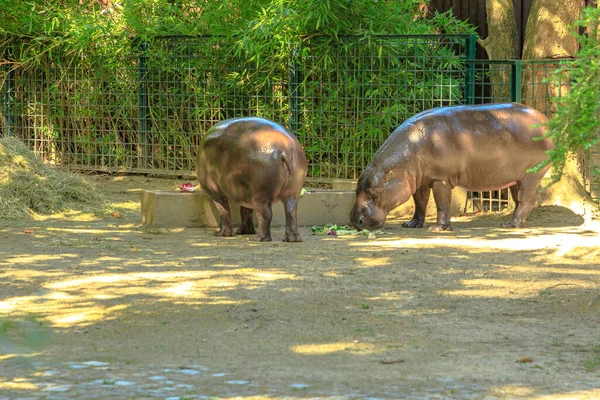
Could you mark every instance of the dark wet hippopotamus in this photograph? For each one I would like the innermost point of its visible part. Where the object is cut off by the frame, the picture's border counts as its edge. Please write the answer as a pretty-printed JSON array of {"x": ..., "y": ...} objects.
[
  {"x": 255, "y": 163},
  {"x": 479, "y": 147}
]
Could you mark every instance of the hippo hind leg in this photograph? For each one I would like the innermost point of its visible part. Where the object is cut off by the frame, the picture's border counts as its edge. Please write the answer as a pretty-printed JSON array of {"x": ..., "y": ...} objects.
[
  {"x": 222, "y": 206},
  {"x": 525, "y": 196},
  {"x": 421, "y": 199},
  {"x": 291, "y": 224},
  {"x": 264, "y": 214},
  {"x": 247, "y": 225}
]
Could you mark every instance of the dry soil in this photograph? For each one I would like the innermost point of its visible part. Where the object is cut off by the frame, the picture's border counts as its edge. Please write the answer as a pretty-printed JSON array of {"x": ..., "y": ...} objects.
[{"x": 105, "y": 308}]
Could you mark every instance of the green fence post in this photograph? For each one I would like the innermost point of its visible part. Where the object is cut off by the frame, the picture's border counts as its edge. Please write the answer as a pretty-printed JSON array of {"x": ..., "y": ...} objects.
[
  {"x": 294, "y": 90},
  {"x": 8, "y": 89},
  {"x": 516, "y": 73},
  {"x": 470, "y": 73},
  {"x": 143, "y": 109}
]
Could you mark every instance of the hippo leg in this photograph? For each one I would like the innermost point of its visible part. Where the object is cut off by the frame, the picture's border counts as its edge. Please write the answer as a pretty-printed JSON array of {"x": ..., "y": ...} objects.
[
  {"x": 291, "y": 225},
  {"x": 222, "y": 206},
  {"x": 442, "y": 194},
  {"x": 525, "y": 195},
  {"x": 421, "y": 199},
  {"x": 247, "y": 225},
  {"x": 265, "y": 214},
  {"x": 514, "y": 193}
]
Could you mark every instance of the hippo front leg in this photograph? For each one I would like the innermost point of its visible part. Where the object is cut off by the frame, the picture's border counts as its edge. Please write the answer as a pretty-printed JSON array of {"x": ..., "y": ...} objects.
[
  {"x": 442, "y": 195},
  {"x": 264, "y": 214},
  {"x": 291, "y": 224},
  {"x": 421, "y": 199}
]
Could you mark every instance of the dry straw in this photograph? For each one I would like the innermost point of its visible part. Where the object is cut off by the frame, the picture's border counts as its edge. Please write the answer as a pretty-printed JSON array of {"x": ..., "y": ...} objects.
[{"x": 29, "y": 187}]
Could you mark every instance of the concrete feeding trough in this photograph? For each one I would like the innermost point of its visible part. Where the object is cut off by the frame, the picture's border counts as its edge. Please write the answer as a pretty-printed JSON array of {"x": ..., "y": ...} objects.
[{"x": 170, "y": 209}]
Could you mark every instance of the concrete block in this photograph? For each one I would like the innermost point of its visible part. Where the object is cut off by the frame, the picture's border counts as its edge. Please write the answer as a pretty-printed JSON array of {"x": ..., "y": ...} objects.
[
  {"x": 163, "y": 208},
  {"x": 196, "y": 209},
  {"x": 344, "y": 184}
]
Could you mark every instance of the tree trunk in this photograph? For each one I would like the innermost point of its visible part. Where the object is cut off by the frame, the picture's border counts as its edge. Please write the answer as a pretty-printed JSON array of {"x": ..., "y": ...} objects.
[
  {"x": 548, "y": 34},
  {"x": 502, "y": 43}
]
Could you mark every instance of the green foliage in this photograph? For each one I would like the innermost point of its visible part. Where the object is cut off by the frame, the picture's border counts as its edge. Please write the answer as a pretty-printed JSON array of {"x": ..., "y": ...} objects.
[
  {"x": 576, "y": 124},
  {"x": 78, "y": 67}
]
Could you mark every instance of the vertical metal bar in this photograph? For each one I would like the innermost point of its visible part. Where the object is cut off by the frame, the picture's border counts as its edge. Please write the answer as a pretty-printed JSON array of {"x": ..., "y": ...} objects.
[
  {"x": 470, "y": 75},
  {"x": 8, "y": 91},
  {"x": 143, "y": 110},
  {"x": 294, "y": 91},
  {"x": 516, "y": 73}
]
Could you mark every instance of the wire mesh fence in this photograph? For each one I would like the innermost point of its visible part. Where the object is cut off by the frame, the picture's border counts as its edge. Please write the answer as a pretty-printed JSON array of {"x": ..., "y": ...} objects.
[
  {"x": 355, "y": 95},
  {"x": 147, "y": 111}
]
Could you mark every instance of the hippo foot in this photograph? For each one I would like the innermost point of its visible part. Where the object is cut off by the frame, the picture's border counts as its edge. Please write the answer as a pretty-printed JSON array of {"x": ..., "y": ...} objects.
[
  {"x": 258, "y": 238},
  {"x": 224, "y": 232},
  {"x": 292, "y": 237},
  {"x": 414, "y": 223},
  {"x": 440, "y": 228},
  {"x": 246, "y": 230},
  {"x": 513, "y": 224}
]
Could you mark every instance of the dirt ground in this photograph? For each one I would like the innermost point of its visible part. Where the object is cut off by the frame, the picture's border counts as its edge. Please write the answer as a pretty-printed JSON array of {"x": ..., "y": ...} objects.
[{"x": 102, "y": 308}]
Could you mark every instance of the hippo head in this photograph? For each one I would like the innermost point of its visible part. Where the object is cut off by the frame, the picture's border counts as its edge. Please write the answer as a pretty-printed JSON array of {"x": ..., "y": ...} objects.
[{"x": 377, "y": 193}]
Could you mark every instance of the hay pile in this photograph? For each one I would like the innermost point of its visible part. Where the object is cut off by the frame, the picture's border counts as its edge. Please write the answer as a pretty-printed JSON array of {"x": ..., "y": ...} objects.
[{"x": 29, "y": 187}]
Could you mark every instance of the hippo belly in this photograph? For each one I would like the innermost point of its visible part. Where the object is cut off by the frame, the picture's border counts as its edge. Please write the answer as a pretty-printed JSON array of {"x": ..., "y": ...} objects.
[{"x": 255, "y": 163}]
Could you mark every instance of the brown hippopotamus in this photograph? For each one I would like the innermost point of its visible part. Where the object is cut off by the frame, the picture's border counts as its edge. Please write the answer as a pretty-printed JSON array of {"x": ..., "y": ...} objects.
[
  {"x": 255, "y": 163},
  {"x": 477, "y": 147}
]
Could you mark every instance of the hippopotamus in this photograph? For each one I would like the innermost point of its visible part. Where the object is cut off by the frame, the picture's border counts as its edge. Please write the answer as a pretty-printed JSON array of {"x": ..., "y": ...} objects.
[
  {"x": 477, "y": 147},
  {"x": 253, "y": 162}
]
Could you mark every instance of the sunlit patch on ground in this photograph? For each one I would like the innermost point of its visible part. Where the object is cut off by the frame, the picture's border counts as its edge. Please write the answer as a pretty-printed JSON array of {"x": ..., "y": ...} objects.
[{"x": 328, "y": 348}]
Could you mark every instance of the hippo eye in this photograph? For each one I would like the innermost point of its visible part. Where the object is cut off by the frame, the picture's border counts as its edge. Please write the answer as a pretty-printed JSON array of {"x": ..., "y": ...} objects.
[{"x": 371, "y": 194}]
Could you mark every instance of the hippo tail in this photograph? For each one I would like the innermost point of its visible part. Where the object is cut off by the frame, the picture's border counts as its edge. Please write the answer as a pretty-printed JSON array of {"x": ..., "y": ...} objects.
[{"x": 288, "y": 163}]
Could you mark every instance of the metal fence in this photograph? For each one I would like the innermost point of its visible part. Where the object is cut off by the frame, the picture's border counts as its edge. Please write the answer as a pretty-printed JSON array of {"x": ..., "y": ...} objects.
[{"x": 146, "y": 111}]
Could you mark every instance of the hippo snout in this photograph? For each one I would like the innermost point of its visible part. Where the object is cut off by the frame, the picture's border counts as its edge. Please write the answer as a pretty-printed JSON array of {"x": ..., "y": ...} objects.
[
  {"x": 356, "y": 218},
  {"x": 361, "y": 219}
]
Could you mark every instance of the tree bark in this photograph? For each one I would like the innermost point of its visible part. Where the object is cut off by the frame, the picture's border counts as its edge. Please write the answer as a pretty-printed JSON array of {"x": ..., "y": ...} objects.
[
  {"x": 502, "y": 43},
  {"x": 548, "y": 34}
]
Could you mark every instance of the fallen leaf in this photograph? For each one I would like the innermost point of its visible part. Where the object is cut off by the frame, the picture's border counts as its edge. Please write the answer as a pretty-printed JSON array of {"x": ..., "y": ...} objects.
[{"x": 525, "y": 360}]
